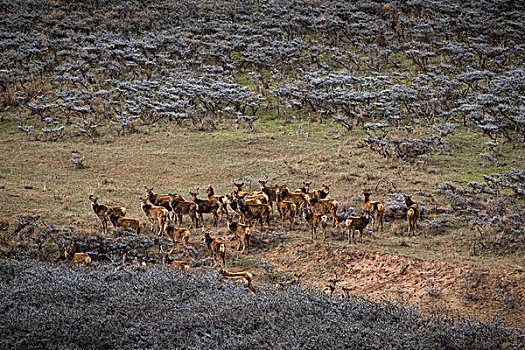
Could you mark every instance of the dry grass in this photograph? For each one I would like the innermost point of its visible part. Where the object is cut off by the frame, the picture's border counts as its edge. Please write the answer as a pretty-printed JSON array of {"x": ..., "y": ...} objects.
[{"x": 40, "y": 176}]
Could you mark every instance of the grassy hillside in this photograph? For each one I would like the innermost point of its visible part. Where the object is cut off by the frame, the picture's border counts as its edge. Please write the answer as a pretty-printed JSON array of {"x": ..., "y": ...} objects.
[{"x": 420, "y": 98}]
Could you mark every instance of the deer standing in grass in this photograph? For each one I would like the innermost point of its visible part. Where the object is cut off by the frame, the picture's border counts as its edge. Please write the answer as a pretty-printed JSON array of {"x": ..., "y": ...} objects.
[
  {"x": 241, "y": 232},
  {"x": 216, "y": 248},
  {"x": 260, "y": 196},
  {"x": 287, "y": 210},
  {"x": 206, "y": 206},
  {"x": 270, "y": 191},
  {"x": 305, "y": 189},
  {"x": 376, "y": 209},
  {"x": 316, "y": 220},
  {"x": 300, "y": 199},
  {"x": 100, "y": 210},
  {"x": 412, "y": 215},
  {"x": 251, "y": 211},
  {"x": 162, "y": 200},
  {"x": 322, "y": 193},
  {"x": 157, "y": 215},
  {"x": 356, "y": 223},
  {"x": 181, "y": 207},
  {"x": 326, "y": 206},
  {"x": 220, "y": 199}
]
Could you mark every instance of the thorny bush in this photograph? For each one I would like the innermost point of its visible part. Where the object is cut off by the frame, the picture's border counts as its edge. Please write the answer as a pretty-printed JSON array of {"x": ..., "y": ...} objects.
[{"x": 45, "y": 306}]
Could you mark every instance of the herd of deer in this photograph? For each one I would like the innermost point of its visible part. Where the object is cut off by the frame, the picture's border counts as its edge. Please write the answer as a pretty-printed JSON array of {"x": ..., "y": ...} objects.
[{"x": 165, "y": 213}]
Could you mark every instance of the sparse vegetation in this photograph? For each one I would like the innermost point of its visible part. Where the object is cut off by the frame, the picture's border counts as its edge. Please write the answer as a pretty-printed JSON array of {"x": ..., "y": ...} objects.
[{"x": 415, "y": 98}]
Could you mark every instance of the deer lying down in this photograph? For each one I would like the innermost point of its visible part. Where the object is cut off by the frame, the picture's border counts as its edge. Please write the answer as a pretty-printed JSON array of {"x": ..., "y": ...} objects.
[
  {"x": 83, "y": 258},
  {"x": 124, "y": 222},
  {"x": 329, "y": 288},
  {"x": 77, "y": 258},
  {"x": 176, "y": 264},
  {"x": 244, "y": 276}
]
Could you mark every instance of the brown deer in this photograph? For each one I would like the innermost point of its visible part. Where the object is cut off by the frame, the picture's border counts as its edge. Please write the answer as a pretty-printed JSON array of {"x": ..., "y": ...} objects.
[
  {"x": 221, "y": 199},
  {"x": 162, "y": 200},
  {"x": 356, "y": 223},
  {"x": 181, "y": 207},
  {"x": 100, "y": 211},
  {"x": 376, "y": 209},
  {"x": 177, "y": 234},
  {"x": 244, "y": 276},
  {"x": 270, "y": 191},
  {"x": 216, "y": 247},
  {"x": 322, "y": 193},
  {"x": 77, "y": 258},
  {"x": 250, "y": 212},
  {"x": 305, "y": 188},
  {"x": 295, "y": 281},
  {"x": 176, "y": 264},
  {"x": 329, "y": 288},
  {"x": 316, "y": 220},
  {"x": 124, "y": 222},
  {"x": 206, "y": 206},
  {"x": 241, "y": 232},
  {"x": 287, "y": 210},
  {"x": 412, "y": 214},
  {"x": 238, "y": 190},
  {"x": 326, "y": 206},
  {"x": 82, "y": 258},
  {"x": 300, "y": 199},
  {"x": 157, "y": 215},
  {"x": 254, "y": 196}
]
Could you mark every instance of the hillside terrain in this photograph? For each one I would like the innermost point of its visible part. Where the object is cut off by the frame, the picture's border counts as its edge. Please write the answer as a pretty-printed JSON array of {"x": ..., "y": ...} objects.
[{"x": 418, "y": 98}]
